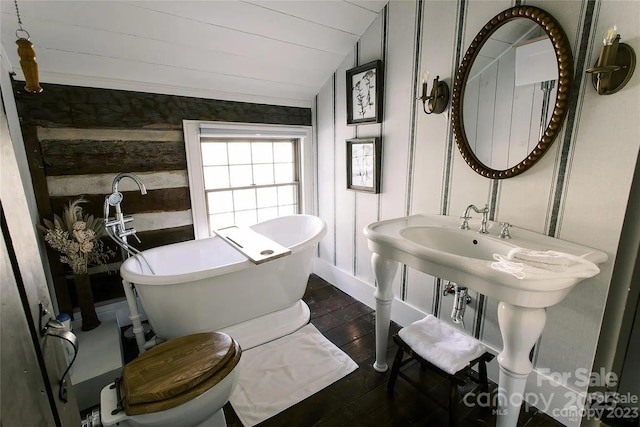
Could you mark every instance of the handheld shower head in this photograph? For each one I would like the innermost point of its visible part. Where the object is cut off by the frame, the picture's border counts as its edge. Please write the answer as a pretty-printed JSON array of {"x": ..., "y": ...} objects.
[{"x": 114, "y": 198}]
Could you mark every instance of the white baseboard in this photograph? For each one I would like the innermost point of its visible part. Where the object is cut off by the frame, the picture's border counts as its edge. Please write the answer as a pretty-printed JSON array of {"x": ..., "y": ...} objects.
[
  {"x": 401, "y": 312},
  {"x": 559, "y": 401}
]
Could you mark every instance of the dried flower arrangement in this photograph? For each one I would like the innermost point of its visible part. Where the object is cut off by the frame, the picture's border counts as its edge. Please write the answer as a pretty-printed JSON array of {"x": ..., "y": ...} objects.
[{"x": 76, "y": 236}]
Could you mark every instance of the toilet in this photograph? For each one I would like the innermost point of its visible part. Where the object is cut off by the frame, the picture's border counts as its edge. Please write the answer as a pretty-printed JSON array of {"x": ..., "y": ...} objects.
[{"x": 184, "y": 381}]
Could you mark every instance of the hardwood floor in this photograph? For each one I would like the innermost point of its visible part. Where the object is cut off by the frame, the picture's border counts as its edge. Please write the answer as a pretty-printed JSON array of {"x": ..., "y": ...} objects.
[{"x": 360, "y": 399}]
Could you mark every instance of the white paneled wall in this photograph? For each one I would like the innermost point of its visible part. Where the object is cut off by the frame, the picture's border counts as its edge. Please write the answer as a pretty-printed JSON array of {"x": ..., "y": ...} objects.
[
  {"x": 325, "y": 116},
  {"x": 578, "y": 191},
  {"x": 370, "y": 48},
  {"x": 345, "y": 206}
]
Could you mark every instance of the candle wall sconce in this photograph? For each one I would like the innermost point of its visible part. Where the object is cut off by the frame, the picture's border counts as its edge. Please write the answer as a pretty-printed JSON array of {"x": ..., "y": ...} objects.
[
  {"x": 438, "y": 99},
  {"x": 614, "y": 67}
]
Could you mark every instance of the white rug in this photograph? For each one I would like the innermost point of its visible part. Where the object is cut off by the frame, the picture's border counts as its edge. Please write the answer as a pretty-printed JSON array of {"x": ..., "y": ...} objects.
[{"x": 281, "y": 373}]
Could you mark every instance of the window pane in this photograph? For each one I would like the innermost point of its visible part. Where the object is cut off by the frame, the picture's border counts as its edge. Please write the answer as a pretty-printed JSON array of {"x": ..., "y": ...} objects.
[
  {"x": 267, "y": 197},
  {"x": 233, "y": 170},
  {"x": 239, "y": 153},
  {"x": 282, "y": 152},
  {"x": 219, "y": 202},
  {"x": 244, "y": 199},
  {"x": 267, "y": 213},
  {"x": 214, "y": 153},
  {"x": 220, "y": 221},
  {"x": 216, "y": 177},
  {"x": 286, "y": 210},
  {"x": 286, "y": 195},
  {"x": 240, "y": 175},
  {"x": 283, "y": 172},
  {"x": 246, "y": 217},
  {"x": 262, "y": 152},
  {"x": 263, "y": 174}
]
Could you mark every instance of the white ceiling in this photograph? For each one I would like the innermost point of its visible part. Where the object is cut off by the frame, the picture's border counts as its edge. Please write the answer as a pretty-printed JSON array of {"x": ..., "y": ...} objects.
[{"x": 276, "y": 52}]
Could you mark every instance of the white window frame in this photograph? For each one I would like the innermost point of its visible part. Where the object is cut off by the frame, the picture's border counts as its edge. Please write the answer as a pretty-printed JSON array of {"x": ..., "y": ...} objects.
[{"x": 250, "y": 130}]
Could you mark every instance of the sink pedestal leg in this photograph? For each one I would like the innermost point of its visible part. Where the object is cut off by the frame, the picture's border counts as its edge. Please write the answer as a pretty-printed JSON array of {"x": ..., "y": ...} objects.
[
  {"x": 385, "y": 270},
  {"x": 520, "y": 328}
]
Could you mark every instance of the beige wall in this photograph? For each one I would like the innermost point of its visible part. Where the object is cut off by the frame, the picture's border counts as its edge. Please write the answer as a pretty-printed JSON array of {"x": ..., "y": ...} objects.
[{"x": 578, "y": 191}]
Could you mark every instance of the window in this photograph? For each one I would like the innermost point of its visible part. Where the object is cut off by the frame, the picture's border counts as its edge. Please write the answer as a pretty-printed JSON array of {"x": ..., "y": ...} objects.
[
  {"x": 243, "y": 174},
  {"x": 248, "y": 181}
]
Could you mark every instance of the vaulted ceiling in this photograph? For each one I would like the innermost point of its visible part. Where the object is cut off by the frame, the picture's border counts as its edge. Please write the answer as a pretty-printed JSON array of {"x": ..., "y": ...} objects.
[{"x": 276, "y": 52}]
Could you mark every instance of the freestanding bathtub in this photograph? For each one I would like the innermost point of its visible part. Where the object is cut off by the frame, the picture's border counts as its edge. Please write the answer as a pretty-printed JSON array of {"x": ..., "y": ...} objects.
[{"x": 206, "y": 285}]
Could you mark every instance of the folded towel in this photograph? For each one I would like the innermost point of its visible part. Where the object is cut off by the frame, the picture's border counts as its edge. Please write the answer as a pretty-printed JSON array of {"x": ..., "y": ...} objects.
[
  {"x": 503, "y": 264},
  {"x": 441, "y": 344},
  {"x": 552, "y": 260},
  {"x": 527, "y": 263}
]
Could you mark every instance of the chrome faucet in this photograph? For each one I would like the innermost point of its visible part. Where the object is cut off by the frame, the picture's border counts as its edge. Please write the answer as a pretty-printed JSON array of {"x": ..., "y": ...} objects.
[
  {"x": 466, "y": 217},
  {"x": 114, "y": 199},
  {"x": 118, "y": 178},
  {"x": 116, "y": 227}
]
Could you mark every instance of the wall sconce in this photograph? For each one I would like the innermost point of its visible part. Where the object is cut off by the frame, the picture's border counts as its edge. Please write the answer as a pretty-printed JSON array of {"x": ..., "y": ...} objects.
[
  {"x": 27, "y": 58},
  {"x": 438, "y": 98},
  {"x": 615, "y": 65}
]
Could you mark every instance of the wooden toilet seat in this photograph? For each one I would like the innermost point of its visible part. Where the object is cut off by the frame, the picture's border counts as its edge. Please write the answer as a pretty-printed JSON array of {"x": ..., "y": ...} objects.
[{"x": 177, "y": 371}]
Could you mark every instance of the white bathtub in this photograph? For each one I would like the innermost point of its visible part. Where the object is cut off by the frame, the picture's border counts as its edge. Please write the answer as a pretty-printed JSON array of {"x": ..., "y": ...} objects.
[{"x": 205, "y": 285}]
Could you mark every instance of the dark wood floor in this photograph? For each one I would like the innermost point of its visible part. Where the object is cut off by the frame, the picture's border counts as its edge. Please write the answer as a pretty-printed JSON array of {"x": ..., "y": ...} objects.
[{"x": 360, "y": 398}]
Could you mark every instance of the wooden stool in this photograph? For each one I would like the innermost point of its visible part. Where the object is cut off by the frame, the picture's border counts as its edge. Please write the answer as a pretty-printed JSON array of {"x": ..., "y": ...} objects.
[{"x": 445, "y": 351}]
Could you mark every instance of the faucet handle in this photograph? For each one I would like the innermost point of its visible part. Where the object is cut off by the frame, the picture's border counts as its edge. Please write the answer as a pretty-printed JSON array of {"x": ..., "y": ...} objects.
[
  {"x": 504, "y": 233},
  {"x": 129, "y": 232},
  {"x": 465, "y": 222}
]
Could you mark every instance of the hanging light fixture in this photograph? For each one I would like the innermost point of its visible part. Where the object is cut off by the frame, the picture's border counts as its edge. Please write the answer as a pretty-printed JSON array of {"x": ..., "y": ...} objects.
[{"x": 27, "y": 57}]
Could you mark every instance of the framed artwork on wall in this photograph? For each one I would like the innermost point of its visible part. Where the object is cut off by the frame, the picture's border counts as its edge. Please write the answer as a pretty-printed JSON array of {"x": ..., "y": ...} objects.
[
  {"x": 363, "y": 164},
  {"x": 365, "y": 86}
]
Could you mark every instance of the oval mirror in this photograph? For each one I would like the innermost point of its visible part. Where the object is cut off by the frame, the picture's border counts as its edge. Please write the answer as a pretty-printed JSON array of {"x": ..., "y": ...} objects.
[{"x": 511, "y": 93}]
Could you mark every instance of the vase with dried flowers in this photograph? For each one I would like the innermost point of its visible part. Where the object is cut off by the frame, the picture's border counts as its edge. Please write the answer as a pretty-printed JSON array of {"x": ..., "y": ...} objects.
[{"x": 76, "y": 236}]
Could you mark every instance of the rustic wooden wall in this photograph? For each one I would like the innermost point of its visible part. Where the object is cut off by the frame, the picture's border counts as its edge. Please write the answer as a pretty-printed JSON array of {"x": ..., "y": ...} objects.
[{"x": 78, "y": 139}]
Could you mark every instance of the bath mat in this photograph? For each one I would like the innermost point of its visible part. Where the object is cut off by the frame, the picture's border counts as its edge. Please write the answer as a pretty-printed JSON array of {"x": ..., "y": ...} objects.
[{"x": 281, "y": 373}]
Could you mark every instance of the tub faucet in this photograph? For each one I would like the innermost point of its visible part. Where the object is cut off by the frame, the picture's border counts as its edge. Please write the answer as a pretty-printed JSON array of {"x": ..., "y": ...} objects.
[
  {"x": 466, "y": 217},
  {"x": 115, "y": 199},
  {"x": 116, "y": 227},
  {"x": 118, "y": 178}
]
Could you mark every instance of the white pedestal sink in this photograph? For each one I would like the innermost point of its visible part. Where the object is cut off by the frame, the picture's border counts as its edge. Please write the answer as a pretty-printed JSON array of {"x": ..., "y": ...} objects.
[{"x": 434, "y": 244}]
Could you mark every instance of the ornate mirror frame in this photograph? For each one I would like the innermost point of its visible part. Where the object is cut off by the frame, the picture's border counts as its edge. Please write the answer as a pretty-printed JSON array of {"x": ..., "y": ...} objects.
[{"x": 565, "y": 77}]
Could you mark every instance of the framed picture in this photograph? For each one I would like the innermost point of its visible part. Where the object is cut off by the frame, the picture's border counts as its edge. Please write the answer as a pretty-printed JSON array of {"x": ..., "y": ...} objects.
[
  {"x": 364, "y": 93},
  {"x": 363, "y": 164}
]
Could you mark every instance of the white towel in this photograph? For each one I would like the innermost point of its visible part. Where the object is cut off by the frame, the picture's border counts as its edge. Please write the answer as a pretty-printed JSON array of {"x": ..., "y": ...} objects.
[
  {"x": 550, "y": 260},
  {"x": 531, "y": 264},
  {"x": 441, "y": 344}
]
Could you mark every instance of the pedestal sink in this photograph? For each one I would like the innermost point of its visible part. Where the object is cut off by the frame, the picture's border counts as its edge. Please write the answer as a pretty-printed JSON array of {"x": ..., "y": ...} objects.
[{"x": 435, "y": 245}]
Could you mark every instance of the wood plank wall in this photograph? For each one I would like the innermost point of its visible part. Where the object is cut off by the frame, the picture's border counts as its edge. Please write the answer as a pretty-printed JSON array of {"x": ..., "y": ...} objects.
[{"x": 78, "y": 139}]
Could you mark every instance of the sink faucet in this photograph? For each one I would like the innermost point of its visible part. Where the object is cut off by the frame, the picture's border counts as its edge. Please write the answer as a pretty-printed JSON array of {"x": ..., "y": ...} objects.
[{"x": 466, "y": 217}]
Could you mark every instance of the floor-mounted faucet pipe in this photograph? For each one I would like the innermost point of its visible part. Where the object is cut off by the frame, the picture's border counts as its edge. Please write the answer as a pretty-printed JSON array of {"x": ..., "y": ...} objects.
[{"x": 134, "y": 316}]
